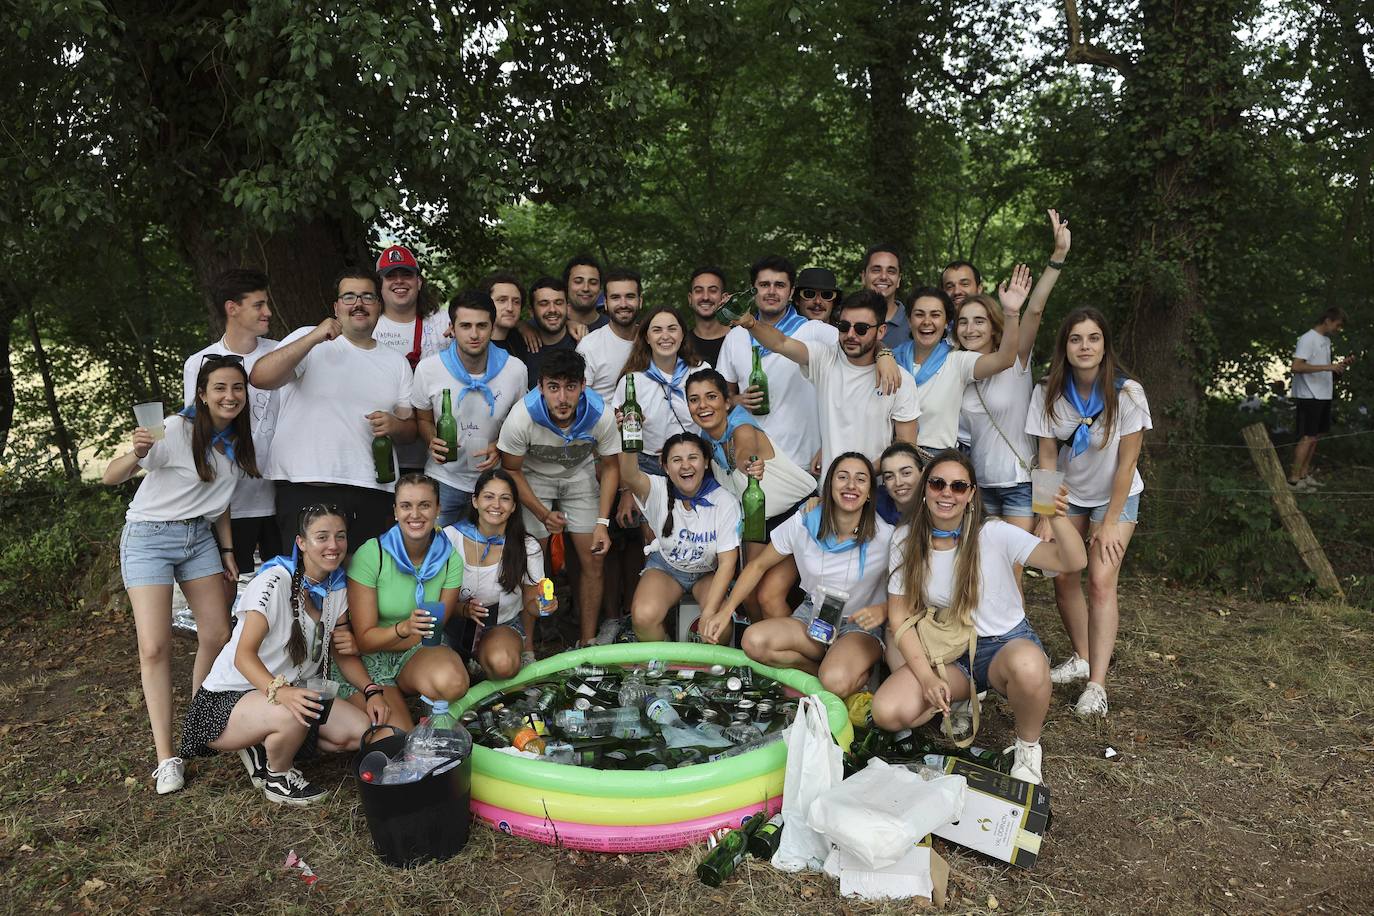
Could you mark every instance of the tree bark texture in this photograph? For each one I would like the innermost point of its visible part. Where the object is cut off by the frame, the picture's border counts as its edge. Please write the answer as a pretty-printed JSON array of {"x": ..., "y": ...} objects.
[{"x": 61, "y": 438}]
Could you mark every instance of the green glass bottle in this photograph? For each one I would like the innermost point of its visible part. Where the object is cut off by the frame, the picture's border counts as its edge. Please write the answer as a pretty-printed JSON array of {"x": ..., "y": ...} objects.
[
  {"x": 632, "y": 419},
  {"x": 765, "y": 840},
  {"x": 737, "y": 306},
  {"x": 384, "y": 459},
  {"x": 722, "y": 861},
  {"x": 754, "y": 505},
  {"x": 759, "y": 379},
  {"x": 447, "y": 428}
]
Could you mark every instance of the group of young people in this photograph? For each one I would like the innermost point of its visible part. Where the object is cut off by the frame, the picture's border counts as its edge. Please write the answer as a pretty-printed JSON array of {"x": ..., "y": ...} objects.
[{"x": 917, "y": 415}]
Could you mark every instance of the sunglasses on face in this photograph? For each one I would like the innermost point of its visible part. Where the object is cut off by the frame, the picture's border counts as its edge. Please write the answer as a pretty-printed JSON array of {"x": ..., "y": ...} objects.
[
  {"x": 938, "y": 484},
  {"x": 825, "y": 295},
  {"x": 860, "y": 327}
]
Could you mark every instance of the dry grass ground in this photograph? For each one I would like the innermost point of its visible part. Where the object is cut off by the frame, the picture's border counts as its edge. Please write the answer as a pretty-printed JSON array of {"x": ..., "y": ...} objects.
[{"x": 1245, "y": 732}]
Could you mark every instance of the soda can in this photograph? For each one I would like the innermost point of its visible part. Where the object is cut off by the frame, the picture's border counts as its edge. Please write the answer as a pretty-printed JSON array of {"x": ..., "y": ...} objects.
[
  {"x": 745, "y": 706},
  {"x": 717, "y": 670},
  {"x": 582, "y": 703},
  {"x": 734, "y": 685}
]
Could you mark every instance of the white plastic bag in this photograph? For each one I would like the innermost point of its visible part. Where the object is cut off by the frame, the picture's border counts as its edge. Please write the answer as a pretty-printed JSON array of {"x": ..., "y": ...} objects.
[
  {"x": 813, "y": 767},
  {"x": 877, "y": 813}
]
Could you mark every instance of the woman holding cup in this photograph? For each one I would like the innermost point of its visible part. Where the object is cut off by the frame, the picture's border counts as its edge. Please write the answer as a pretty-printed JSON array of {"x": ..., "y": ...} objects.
[
  {"x": 947, "y": 557},
  {"x": 260, "y": 697},
  {"x": 1091, "y": 417},
  {"x": 494, "y": 577},
  {"x": 401, "y": 588},
  {"x": 177, "y": 529}
]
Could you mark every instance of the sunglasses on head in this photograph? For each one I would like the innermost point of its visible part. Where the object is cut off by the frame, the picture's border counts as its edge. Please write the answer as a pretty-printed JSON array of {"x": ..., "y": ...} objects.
[
  {"x": 826, "y": 295},
  {"x": 938, "y": 484},
  {"x": 227, "y": 359},
  {"x": 860, "y": 327}
]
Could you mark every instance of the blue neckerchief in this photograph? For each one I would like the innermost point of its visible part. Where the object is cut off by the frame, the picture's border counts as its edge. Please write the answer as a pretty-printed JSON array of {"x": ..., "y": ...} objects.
[
  {"x": 496, "y": 361},
  {"x": 671, "y": 386},
  {"x": 435, "y": 558},
  {"x": 709, "y": 484},
  {"x": 736, "y": 418},
  {"x": 317, "y": 590},
  {"x": 469, "y": 531},
  {"x": 905, "y": 354},
  {"x": 942, "y": 533},
  {"x": 224, "y": 437},
  {"x": 787, "y": 324},
  {"x": 589, "y": 409},
  {"x": 1087, "y": 412},
  {"x": 887, "y": 507},
  {"x": 830, "y": 544}
]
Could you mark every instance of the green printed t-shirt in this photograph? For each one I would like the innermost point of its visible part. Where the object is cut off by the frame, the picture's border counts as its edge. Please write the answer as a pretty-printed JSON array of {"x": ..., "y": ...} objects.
[{"x": 371, "y": 566}]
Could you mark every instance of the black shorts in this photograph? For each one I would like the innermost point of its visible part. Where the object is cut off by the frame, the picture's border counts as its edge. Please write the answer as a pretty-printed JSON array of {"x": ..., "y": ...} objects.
[
  {"x": 369, "y": 512},
  {"x": 1313, "y": 416},
  {"x": 259, "y": 534}
]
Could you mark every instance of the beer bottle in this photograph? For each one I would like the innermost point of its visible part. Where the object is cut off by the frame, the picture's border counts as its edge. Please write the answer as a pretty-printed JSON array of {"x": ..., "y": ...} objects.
[
  {"x": 383, "y": 459},
  {"x": 520, "y": 734},
  {"x": 447, "y": 428},
  {"x": 737, "y": 306},
  {"x": 721, "y": 862},
  {"x": 754, "y": 505},
  {"x": 632, "y": 419},
  {"x": 765, "y": 840},
  {"x": 759, "y": 379}
]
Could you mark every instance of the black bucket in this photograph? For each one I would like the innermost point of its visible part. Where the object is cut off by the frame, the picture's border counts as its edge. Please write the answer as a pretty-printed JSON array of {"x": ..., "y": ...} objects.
[{"x": 415, "y": 822}]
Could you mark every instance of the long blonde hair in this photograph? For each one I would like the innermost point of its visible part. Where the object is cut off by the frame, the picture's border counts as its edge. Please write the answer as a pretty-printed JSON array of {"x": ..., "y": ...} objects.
[{"x": 964, "y": 596}]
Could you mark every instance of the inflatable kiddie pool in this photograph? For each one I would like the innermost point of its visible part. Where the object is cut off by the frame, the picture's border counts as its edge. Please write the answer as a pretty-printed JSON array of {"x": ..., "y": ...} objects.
[{"x": 634, "y": 811}]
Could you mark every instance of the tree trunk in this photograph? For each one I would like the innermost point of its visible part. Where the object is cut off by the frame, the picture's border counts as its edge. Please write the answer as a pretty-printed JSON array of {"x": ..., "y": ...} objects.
[
  {"x": 891, "y": 133},
  {"x": 61, "y": 438}
]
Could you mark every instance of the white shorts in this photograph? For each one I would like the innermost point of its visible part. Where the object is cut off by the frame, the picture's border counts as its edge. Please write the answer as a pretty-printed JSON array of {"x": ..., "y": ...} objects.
[{"x": 577, "y": 497}]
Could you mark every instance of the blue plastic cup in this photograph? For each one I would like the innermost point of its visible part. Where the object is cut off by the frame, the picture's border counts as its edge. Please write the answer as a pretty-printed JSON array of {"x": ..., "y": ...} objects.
[{"x": 434, "y": 609}]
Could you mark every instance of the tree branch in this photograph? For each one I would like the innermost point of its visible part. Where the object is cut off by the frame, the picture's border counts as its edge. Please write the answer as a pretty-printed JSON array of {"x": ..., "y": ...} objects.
[{"x": 1094, "y": 55}]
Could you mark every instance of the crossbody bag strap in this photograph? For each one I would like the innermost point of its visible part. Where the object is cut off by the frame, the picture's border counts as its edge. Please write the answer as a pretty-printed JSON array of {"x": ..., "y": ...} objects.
[{"x": 978, "y": 390}]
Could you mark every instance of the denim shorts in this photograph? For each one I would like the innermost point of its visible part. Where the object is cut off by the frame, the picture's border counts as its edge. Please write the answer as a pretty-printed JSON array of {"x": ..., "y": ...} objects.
[
  {"x": 1008, "y": 502},
  {"x": 685, "y": 580},
  {"x": 156, "y": 553},
  {"x": 989, "y": 646},
  {"x": 1129, "y": 513},
  {"x": 807, "y": 611},
  {"x": 454, "y": 504}
]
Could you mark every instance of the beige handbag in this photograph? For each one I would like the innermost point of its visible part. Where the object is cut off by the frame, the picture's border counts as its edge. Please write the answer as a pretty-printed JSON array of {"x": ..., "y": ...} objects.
[{"x": 945, "y": 640}]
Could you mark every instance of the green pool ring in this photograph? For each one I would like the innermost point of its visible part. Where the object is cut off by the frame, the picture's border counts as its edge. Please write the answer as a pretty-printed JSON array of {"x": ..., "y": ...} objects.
[{"x": 622, "y": 784}]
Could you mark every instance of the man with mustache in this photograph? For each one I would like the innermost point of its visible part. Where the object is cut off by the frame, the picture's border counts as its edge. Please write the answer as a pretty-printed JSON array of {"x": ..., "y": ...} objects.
[{"x": 607, "y": 348}]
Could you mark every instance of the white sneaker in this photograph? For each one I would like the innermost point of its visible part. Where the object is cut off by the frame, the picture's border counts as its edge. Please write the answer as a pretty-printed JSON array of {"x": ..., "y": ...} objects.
[
  {"x": 1305, "y": 485},
  {"x": 1071, "y": 669},
  {"x": 960, "y": 718},
  {"x": 610, "y": 628},
  {"x": 1025, "y": 764},
  {"x": 527, "y": 658},
  {"x": 1312, "y": 482},
  {"x": 1092, "y": 702},
  {"x": 170, "y": 775}
]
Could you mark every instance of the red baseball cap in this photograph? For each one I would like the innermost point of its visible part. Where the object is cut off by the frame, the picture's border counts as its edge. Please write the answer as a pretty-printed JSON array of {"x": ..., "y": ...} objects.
[{"x": 394, "y": 257}]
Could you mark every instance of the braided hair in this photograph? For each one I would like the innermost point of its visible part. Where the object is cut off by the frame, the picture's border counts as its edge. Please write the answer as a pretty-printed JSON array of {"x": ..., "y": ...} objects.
[{"x": 691, "y": 439}]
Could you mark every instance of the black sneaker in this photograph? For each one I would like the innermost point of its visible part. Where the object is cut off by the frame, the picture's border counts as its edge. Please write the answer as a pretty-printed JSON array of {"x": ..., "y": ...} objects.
[
  {"x": 291, "y": 788},
  {"x": 255, "y": 762}
]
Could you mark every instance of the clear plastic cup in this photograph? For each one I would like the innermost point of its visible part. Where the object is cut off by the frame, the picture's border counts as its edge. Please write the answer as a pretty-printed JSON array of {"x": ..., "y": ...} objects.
[
  {"x": 327, "y": 691},
  {"x": 1045, "y": 485},
  {"x": 150, "y": 416}
]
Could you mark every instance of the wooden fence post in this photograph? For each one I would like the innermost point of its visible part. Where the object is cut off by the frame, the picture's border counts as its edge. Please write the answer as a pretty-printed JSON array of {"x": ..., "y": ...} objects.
[{"x": 1267, "y": 462}]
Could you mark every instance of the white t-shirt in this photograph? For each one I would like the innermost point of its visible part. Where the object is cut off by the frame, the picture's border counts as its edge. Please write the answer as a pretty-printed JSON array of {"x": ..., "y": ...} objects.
[
  {"x": 1089, "y": 476},
  {"x": 400, "y": 337},
  {"x": 1007, "y": 396},
  {"x": 855, "y": 417},
  {"x": 605, "y": 354},
  {"x": 941, "y": 398},
  {"x": 783, "y": 483},
  {"x": 698, "y": 534},
  {"x": 1316, "y": 349},
  {"x": 478, "y": 426},
  {"x": 1000, "y": 547},
  {"x": 866, "y": 587},
  {"x": 269, "y": 594},
  {"x": 253, "y": 497},
  {"x": 483, "y": 583},
  {"x": 546, "y": 454},
  {"x": 793, "y": 421},
  {"x": 664, "y": 414},
  {"x": 173, "y": 491},
  {"x": 322, "y": 431}
]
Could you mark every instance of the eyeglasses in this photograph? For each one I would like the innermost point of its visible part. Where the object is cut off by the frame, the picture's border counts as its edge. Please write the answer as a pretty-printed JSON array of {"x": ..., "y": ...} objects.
[
  {"x": 352, "y": 299},
  {"x": 860, "y": 327},
  {"x": 939, "y": 484},
  {"x": 827, "y": 295}
]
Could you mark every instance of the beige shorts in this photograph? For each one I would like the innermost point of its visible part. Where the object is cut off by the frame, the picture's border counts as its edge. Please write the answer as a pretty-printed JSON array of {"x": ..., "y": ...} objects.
[{"x": 578, "y": 497}]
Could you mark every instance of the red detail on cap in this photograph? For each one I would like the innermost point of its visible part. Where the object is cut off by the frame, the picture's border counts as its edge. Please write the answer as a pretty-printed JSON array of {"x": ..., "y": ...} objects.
[{"x": 394, "y": 257}]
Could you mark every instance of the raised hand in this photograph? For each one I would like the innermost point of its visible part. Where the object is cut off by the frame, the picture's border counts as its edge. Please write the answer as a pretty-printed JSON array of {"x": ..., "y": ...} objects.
[
  {"x": 1059, "y": 229},
  {"x": 1012, "y": 294}
]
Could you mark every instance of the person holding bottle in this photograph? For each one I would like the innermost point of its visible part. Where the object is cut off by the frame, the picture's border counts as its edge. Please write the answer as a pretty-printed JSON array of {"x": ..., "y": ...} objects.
[
  {"x": 177, "y": 529},
  {"x": 840, "y": 545},
  {"x": 948, "y": 557},
  {"x": 389, "y": 578},
  {"x": 660, "y": 360},
  {"x": 1090, "y": 417},
  {"x": 497, "y": 577},
  {"x": 695, "y": 522},
  {"x": 254, "y": 700}
]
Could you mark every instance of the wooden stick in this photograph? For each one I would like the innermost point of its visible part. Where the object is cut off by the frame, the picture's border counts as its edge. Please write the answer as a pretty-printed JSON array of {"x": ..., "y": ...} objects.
[{"x": 1267, "y": 462}]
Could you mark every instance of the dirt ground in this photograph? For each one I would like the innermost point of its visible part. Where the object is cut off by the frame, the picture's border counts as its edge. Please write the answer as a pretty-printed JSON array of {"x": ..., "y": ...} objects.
[{"x": 1245, "y": 735}]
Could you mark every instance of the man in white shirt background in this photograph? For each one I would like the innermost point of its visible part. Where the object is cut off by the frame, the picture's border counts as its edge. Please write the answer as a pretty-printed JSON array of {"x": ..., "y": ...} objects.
[
  {"x": 1314, "y": 388},
  {"x": 608, "y": 347}
]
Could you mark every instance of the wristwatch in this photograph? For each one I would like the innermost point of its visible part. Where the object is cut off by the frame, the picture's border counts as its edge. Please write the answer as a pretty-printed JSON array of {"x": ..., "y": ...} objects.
[{"x": 1057, "y": 265}]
